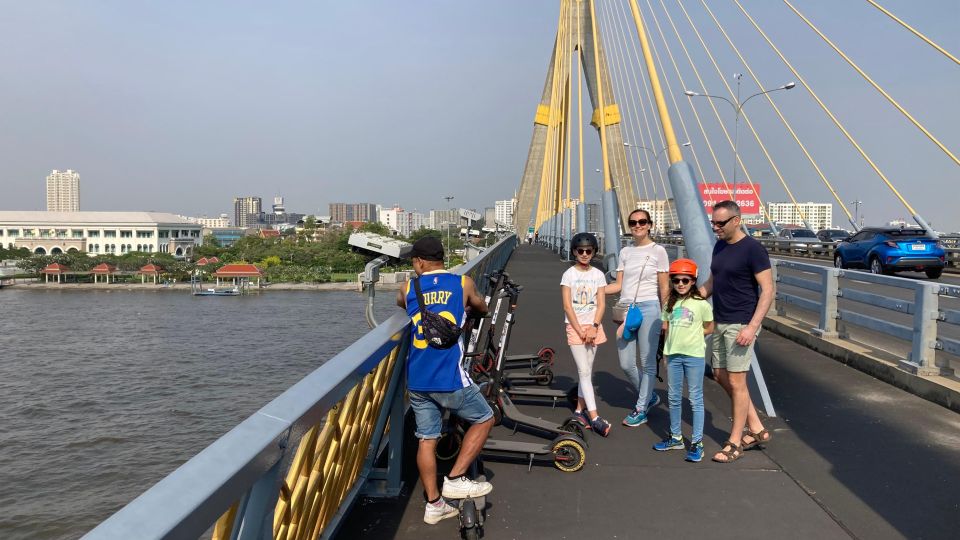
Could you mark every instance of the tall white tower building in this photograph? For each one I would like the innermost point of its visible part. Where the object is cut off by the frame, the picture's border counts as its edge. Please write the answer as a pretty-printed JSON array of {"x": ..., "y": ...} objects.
[{"x": 63, "y": 191}]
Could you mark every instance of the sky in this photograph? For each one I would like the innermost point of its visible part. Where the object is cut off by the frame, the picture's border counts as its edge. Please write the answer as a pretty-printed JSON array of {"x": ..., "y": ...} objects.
[{"x": 179, "y": 106}]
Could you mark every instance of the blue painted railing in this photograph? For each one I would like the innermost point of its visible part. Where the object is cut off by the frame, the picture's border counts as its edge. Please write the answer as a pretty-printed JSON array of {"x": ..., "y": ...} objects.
[{"x": 294, "y": 468}]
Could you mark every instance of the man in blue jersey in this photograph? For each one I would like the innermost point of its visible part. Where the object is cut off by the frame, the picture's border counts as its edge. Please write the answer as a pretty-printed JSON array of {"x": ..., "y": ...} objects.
[
  {"x": 436, "y": 379},
  {"x": 741, "y": 283}
]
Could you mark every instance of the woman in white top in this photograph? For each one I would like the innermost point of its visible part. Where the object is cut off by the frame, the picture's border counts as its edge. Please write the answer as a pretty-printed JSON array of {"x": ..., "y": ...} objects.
[{"x": 642, "y": 277}]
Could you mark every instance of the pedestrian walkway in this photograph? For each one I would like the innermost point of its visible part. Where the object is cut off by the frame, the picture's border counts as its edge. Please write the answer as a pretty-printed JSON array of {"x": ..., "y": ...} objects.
[{"x": 851, "y": 456}]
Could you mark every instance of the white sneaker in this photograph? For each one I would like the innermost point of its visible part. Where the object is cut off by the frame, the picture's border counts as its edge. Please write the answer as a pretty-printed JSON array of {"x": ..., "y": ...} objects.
[
  {"x": 434, "y": 514},
  {"x": 461, "y": 488}
]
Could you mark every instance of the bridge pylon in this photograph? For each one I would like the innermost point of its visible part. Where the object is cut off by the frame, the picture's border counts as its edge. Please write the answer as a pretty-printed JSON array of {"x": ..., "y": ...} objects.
[{"x": 541, "y": 188}]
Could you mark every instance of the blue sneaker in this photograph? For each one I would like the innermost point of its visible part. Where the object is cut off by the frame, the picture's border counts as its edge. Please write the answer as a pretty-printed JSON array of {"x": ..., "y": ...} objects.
[
  {"x": 582, "y": 419},
  {"x": 600, "y": 426},
  {"x": 695, "y": 452},
  {"x": 672, "y": 442},
  {"x": 635, "y": 418},
  {"x": 654, "y": 401}
]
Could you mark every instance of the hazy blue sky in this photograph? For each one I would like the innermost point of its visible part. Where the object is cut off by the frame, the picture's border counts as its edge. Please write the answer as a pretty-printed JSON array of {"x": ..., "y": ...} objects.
[{"x": 179, "y": 106}]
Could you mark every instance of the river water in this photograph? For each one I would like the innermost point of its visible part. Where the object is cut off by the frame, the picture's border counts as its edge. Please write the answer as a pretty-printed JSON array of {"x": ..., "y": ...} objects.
[{"x": 102, "y": 393}]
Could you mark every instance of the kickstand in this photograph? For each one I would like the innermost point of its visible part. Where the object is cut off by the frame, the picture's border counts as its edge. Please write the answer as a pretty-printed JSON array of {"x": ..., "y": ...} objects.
[
  {"x": 530, "y": 464},
  {"x": 554, "y": 406}
]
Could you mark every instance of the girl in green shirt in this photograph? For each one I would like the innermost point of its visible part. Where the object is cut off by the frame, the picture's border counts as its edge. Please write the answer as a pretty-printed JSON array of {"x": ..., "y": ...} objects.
[{"x": 687, "y": 318}]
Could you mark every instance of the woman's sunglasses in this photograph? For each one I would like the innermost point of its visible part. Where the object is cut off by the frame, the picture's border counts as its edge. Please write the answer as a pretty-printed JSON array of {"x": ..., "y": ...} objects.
[
  {"x": 681, "y": 280},
  {"x": 636, "y": 222},
  {"x": 581, "y": 251}
]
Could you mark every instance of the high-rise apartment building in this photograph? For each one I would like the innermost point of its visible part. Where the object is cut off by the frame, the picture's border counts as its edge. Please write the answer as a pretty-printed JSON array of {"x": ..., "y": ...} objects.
[
  {"x": 663, "y": 212},
  {"x": 278, "y": 207},
  {"x": 344, "y": 212},
  {"x": 819, "y": 215},
  {"x": 505, "y": 210},
  {"x": 63, "y": 191},
  {"x": 246, "y": 211}
]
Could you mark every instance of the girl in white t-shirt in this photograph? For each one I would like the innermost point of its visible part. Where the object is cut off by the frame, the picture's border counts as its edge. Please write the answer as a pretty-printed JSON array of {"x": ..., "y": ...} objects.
[{"x": 583, "y": 304}]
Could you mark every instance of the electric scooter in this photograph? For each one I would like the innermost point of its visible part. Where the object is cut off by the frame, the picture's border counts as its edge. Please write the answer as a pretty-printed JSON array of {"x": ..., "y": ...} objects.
[
  {"x": 481, "y": 360},
  {"x": 483, "y": 356},
  {"x": 566, "y": 450}
]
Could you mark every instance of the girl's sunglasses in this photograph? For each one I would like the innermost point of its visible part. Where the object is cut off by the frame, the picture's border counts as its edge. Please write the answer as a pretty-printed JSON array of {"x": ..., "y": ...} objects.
[
  {"x": 581, "y": 251},
  {"x": 636, "y": 222},
  {"x": 681, "y": 280}
]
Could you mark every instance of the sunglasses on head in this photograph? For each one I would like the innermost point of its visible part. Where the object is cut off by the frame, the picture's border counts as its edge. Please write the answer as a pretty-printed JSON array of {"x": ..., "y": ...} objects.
[
  {"x": 582, "y": 251},
  {"x": 721, "y": 223},
  {"x": 636, "y": 222},
  {"x": 680, "y": 280}
]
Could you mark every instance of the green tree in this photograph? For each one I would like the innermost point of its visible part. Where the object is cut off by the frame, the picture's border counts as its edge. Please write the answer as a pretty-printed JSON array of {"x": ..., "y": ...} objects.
[
  {"x": 421, "y": 233},
  {"x": 310, "y": 223},
  {"x": 376, "y": 228}
]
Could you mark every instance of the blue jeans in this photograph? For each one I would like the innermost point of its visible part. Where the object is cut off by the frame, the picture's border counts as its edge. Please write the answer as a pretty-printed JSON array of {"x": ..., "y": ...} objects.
[
  {"x": 648, "y": 336},
  {"x": 467, "y": 403},
  {"x": 691, "y": 368}
]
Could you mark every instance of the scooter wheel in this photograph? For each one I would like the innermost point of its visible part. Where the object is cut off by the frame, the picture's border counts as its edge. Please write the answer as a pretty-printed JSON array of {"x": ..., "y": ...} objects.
[
  {"x": 469, "y": 526},
  {"x": 546, "y": 355},
  {"x": 544, "y": 374},
  {"x": 448, "y": 447},
  {"x": 574, "y": 426},
  {"x": 569, "y": 456}
]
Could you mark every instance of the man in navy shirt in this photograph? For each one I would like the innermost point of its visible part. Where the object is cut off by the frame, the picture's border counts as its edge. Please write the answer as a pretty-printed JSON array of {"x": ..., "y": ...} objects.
[{"x": 741, "y": 284}]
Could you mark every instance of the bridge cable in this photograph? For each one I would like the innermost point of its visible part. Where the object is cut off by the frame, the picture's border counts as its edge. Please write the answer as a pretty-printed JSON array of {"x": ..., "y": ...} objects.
[
  {"x": 915, "y": 32},
  {"x": 716, "y": 113},
  {"x": 756, "y": 135},
  {"x": 568, "y": 125},
  {"x": 876, "y": 86},
  {"x": 783, "y": 119},
  {"x": 555, "y": 176},
  {"x": 631, "y": 126},
  {"x": 692, "y": 108},
  {"x": 635, "y": 64},
  {"x": 836, "y": 121},
  {"x": 627, "y": 97},
  {"x": 647, "y": 141},
  {"x": 602, "y": 116},
  {"x": 580, "y": 100},
  {"x": 656, "y": 140},
  {"x": 673, "y": 94}
]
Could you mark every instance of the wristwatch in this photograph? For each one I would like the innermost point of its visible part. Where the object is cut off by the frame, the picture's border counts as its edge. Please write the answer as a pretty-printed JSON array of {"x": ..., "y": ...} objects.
[{"x": 596, "y": 325}]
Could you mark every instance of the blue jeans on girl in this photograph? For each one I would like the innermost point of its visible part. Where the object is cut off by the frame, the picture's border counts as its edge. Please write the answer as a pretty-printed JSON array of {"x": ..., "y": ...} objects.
[
  {"x": 648, "y": 337},
  {"x": 691, "y": 368}
]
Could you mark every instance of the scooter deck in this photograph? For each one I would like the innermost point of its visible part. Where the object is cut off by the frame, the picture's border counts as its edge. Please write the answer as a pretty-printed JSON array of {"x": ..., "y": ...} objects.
[
  {"x": 517, "y": 447},
  {"x": 534, "y": 392}
]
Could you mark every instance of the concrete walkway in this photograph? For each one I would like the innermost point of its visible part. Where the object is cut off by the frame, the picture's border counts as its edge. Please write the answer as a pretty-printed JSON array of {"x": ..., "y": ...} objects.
[{"x": 851, "y": 456}]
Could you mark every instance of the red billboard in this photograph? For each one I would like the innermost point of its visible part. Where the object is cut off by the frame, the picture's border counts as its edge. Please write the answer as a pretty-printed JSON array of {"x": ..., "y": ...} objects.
[{"x": 746, "y": 197}]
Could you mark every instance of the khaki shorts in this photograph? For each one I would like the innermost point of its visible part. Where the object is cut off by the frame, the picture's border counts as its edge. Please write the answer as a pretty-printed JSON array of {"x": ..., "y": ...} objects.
[{"x": 726, "y": 353}]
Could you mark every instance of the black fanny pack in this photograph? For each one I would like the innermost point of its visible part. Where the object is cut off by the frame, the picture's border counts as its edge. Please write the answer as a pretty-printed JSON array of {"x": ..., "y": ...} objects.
[{"x": 439, "y": 332}]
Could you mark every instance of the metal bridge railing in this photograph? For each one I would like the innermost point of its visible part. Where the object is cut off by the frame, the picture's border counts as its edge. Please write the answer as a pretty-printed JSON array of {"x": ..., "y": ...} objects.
[
  {"x": 293, "y": 469},
  {"x": 818, "y": 250},
  {"x": 900, "y": 316}
]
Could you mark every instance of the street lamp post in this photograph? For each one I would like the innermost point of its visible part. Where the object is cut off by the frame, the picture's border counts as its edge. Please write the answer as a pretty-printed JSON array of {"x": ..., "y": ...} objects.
[
  {"x": 738, "y": 109},
  {"x": 856, "y": 212},
  {"x": 448, "y": 198}
]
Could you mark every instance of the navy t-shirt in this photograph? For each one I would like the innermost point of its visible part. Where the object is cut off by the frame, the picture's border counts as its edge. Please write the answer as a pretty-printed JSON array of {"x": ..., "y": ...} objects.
[{"x": 735, "y": 289}]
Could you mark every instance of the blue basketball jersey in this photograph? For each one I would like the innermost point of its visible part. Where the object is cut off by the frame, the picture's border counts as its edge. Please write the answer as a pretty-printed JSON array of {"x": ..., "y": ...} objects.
[{"x": 429, "y": 369}]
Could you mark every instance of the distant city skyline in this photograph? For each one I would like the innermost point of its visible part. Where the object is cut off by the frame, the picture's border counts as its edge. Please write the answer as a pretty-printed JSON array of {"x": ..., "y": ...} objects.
[{"x": 162, "y": 113}]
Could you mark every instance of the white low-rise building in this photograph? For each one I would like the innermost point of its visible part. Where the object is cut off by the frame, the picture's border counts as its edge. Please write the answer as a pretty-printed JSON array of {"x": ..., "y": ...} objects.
[{"x": 49, "y": 233}]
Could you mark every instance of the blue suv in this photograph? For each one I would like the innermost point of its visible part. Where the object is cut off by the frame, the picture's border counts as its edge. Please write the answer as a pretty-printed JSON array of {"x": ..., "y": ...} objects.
[{"x": 885, "y": 250}]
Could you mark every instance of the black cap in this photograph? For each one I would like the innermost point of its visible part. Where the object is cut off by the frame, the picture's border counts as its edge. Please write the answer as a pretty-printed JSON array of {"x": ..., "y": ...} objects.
[{"x": 427, "y": 248}]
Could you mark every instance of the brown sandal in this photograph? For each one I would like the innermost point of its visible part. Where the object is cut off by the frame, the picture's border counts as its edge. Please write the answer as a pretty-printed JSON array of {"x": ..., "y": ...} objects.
[
  {"x": 761, "y": 437},
  {"x": 731, "y": 455}
]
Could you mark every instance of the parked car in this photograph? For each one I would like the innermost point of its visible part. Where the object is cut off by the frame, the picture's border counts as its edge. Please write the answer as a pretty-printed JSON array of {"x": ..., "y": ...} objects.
[
  {"x": 832, "y": 235},
  {"x": 803, "y": 240},
  {"x": 885, "y": 250}
]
